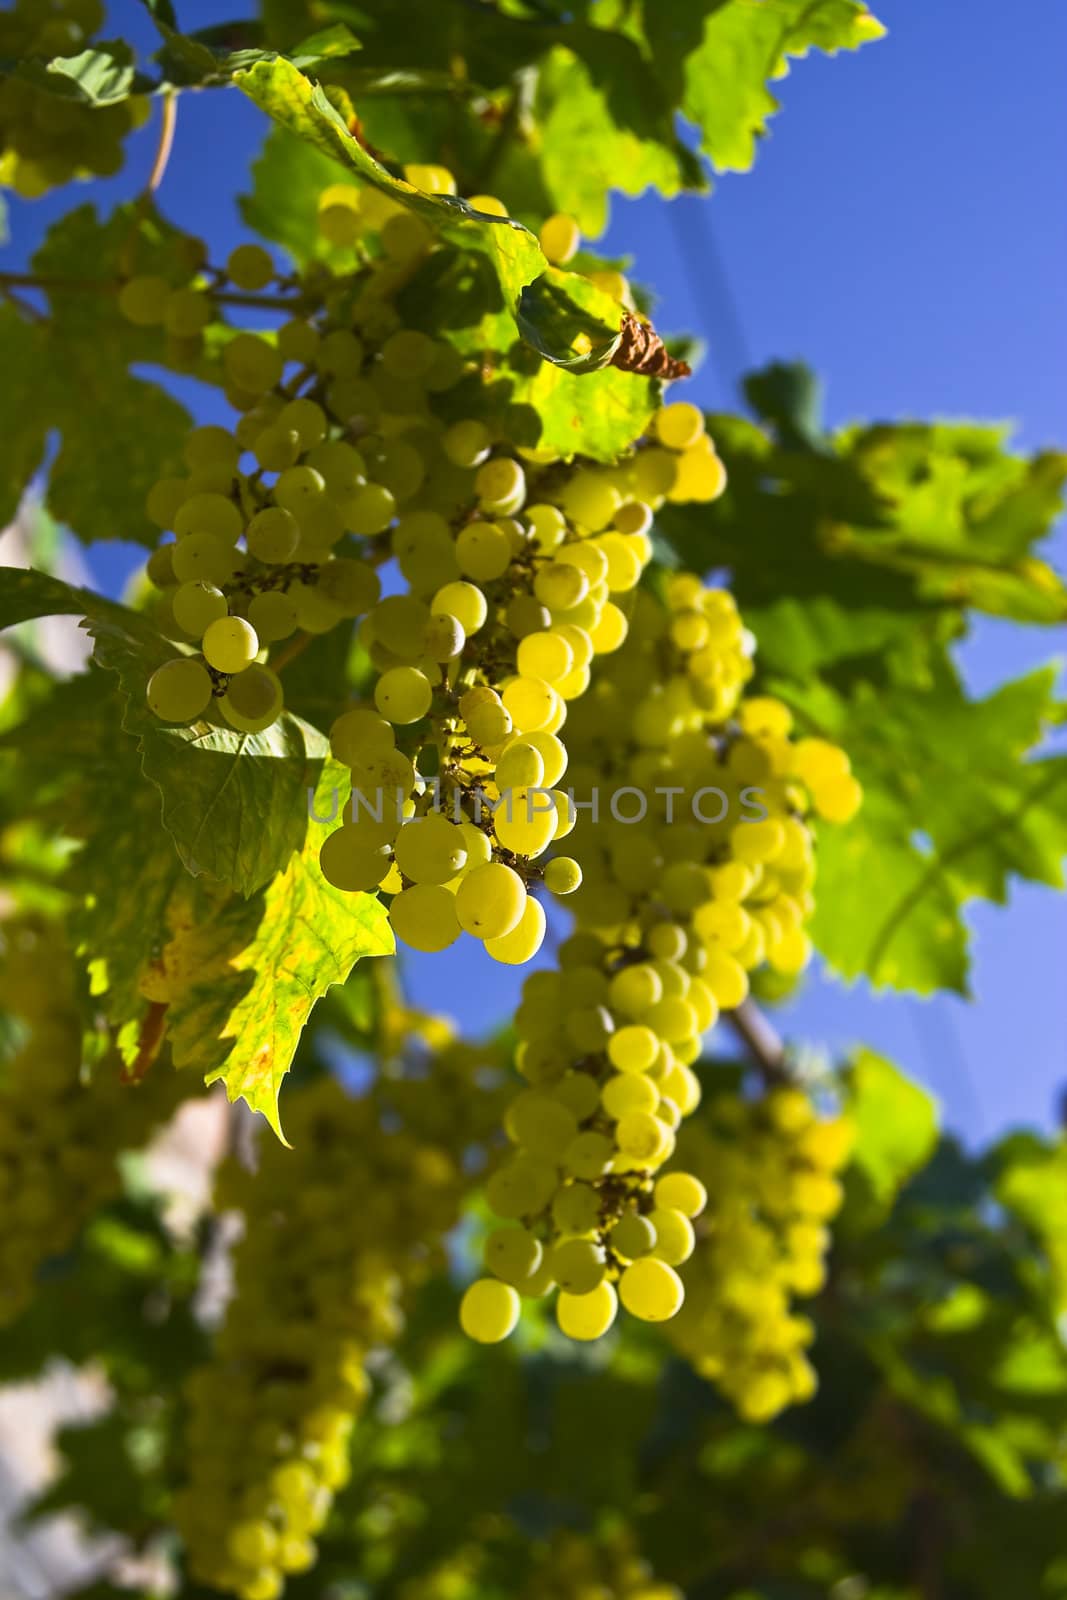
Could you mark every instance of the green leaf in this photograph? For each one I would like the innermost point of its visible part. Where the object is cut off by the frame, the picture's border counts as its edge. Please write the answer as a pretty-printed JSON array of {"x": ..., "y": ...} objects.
[
  {"x": 954, "y": 809},
  {"x": 79, "y": 774},
  {"x": 117, "y": 433},
  {"x": 287, "y": 177},
  {"x": 896, "y": 1132},
  {"x": 600, "y": 95},
  {"x": 910, "y": 516},
  {"x": 716, "y": 58},
  {"x": 26, "y": 594},
  {"x": 599, "y": 414},
  {"x": 259, "y": 965},
  {"x": 234, "y": 803},
  {"x": 1031, "y": 1181},
  {"x": 552, "y": 309},
  {"x": 102, "y": 76}
]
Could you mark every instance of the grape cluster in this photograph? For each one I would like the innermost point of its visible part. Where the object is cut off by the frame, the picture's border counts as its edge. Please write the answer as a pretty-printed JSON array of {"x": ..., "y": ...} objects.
[
  {"x": 47, "y": 139},
  {"x": 770, "y": 1166},
  {"x": 59, "y": 1136},
  {"x": 673, "y": 912},
  {"x": 335, "y": 1230},
  {"x": 516, "y": 567},
  {"x": 581, "y": 1566}
]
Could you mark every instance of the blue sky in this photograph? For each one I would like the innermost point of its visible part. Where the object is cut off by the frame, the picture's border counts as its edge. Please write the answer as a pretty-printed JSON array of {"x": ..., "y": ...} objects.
[{"x": 904, "y": 232}]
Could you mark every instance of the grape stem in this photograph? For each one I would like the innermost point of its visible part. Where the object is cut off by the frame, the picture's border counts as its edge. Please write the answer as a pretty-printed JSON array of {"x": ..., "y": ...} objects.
[
  {"x": 762, "y": 1040},
  {"x": 33, "y": 280}
]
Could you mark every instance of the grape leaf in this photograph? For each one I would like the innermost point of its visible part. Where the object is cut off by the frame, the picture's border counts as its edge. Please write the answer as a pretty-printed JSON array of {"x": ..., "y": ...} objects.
[
  {"x": 79, "y": 774},
  {"x": 896, "y": 1131},
  {"x": 954, "y": 808},
  {"x": 258, "y": 966},
  {"x": 101, "y": 76},
  {"x": 715, "y": 58},
  {"x": 26, "y": 594},
  {"x": 234, "y": 803},
  {"x": 599, "y": 414},
  {"x": 600, "y": 95},
  {"x": 908, "y": 516},
  {"x": 563, "y": 316},
  {"x": 117, "y": 433}
]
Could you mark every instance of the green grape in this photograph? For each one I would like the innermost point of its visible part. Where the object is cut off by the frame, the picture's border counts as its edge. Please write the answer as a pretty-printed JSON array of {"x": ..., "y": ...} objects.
[
  {"x": 251, "y": 363},
  {"x": 531, "y": 703},
  {"x": 467, "y": 443},
  {"x": 143, "y": 300},
  {"x": 487, "y": 719},
  {"x": 358, "y": 733},
  {"x": 563, "y": 875},
  {"x": 270, "y": 1416},
  {"x": 577, "y": 1265},
  {"x": 628, "y": 1091},
  {"x": 544, "y": 655},
  {"x": 634, "y": 1048},
  {"x": 352, "y": 586},
  {"x": 164, "y": 499},
  {"x": 521, "y": 1188},
  {"x": 200, "y": 556},
  {"x": 230, "y": 644},
  {"x": 160, "y": 567},
  {"x": 339, "y": 464},
  {"x": 484, "y": 552},
  {"x": 370, "y": 509},
  {"x": 489, "y": 1311},
  {"x": 576, "y": 1209},
  {"x": 210, "y": 447},
  {"x": 633, "y": 1236},
  {"x": 500, "y": 486},
  {"x": 424, "y": 917},
  {"x": 674, "y": 1236},
  {"x": 403, "y": 695},
  {"x": 276, "y": 448},
  {"x": 249, "y": 267},
  {"x": 188, "y": 313},
  {"x": 524, "y": 940},
  {"x": 490, "y": 901},
  {"x": 464, "y": 602},
  {"x": 520, "y": 765},
  {"x": 298, "y": 341},
  {"x": 299, "y": 487},
  {"x": 198, "y": 604},
  {"x": 560, "y": 237},
  {"x": 589, "y": 498},
  {"x": 525, "y": 614},
  {"x": 513, "y": 1255},
  {"x": 350, "y": 863},
  {"x": 253, "y": 699},
  {"x": 680, "y": 1191},
  {"x": 560, "y": 586},
  {"x": 430, "y": 849},
  {"x": 651, "y": 1290},
  {"x": 445, "y": 638},
  {"x": 273, "y": 614},
  {"x": 540, "y": 1124},
  {"x": 213, "y": 514},
  {"x": 525, "y": 821},
  {"x": 179, "y": 690},
  {"x": 272, "y": 535},
  {"x": 340, "y": 354},
  {"x": 307, "y": 419},
  {"x": 315, "y": 612},
  {"x": 408, "y": 353},
  {"x": 587, "y": 1316}
]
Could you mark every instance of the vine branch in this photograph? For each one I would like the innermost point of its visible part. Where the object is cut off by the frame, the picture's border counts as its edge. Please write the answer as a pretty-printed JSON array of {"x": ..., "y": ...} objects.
[{"x": 761, "y": 1039}]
